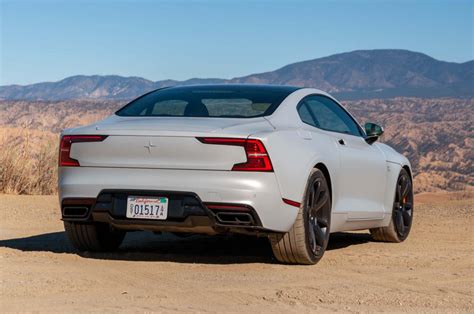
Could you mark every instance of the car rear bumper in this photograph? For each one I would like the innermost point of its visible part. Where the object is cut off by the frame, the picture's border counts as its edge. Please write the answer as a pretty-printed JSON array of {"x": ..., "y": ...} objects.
[{"x": 257, "y": 191}]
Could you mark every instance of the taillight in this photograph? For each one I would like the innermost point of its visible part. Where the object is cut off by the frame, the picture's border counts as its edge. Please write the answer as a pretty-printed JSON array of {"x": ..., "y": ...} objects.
[
  {"x": 257, "y": 156},
  {"x": 65, "y": 159}
]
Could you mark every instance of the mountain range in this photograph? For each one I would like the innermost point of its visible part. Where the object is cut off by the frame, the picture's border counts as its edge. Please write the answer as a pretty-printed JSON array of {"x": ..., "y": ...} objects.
[{"x": 361, "y": 74}]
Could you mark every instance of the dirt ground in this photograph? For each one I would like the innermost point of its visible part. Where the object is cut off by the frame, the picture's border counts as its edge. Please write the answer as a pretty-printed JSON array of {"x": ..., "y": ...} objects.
[{"x": 432, "y": 271}]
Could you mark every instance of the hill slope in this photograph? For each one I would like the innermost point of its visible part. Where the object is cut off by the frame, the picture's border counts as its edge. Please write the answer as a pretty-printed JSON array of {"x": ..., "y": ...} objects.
[
  {"x": 375, "y": 73},
  {"x": 351, "y": 75}
]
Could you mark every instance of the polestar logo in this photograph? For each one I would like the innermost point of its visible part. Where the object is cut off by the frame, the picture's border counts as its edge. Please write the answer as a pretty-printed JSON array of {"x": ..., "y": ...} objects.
[{"x": 149, "y": 146}]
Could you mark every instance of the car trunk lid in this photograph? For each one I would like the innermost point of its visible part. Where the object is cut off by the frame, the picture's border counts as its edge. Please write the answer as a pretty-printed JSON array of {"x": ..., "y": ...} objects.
[{"x": 168, "y": 143}]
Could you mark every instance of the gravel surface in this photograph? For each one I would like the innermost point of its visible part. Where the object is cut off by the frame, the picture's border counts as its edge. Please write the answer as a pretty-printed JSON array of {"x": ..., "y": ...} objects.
[{"x": 39, "y": 271}]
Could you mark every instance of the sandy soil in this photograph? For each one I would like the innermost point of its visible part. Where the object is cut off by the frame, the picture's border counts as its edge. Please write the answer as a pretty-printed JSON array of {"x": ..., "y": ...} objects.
[{"x": 432, "y": 271}]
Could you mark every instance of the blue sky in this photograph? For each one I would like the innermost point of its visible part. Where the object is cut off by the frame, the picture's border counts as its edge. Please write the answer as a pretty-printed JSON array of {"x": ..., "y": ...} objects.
[{"x": 50, "y": 40}]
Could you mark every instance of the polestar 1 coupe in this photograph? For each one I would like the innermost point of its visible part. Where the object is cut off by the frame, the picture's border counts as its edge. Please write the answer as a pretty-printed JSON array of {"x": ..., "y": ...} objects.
[{"x": 287, "y": 163}]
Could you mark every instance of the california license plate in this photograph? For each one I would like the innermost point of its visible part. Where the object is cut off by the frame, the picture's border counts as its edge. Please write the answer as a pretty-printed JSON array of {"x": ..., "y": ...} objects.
[{"x": 147, "y": 207}]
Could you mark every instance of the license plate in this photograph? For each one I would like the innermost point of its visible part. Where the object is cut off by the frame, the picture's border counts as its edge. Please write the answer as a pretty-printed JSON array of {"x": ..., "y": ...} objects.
[{"x": 147, "y": 207}]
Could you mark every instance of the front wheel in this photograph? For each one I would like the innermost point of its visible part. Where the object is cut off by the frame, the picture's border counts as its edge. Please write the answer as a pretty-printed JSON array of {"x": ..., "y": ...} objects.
[
  {"x": 307, "y": 239},
  {"x": 96, "y": 237},
  {"x": 402, "y": 213}
]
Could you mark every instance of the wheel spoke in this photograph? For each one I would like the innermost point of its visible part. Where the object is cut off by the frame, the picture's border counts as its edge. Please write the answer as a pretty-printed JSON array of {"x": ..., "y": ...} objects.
[
  {"x": 399, "y": 221},
  {"x": 323, "y": 222},
  {"x": 319, "y": 235},
  {"x": 310, "y": 198},
  {"x": 316, "y": 193},
  {"x": 321, "y": 201},
  {"x": 406, "y": 188},
  {"x": 312, "y": 238},
  {"x": 408, "y": 206},
  {"x": 406, "y": 217},
  {"x": 399, "y": 192}
]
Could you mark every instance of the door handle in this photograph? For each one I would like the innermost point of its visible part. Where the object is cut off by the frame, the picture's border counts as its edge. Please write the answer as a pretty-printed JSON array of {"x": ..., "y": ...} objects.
[{"x": 341, "y": 141}]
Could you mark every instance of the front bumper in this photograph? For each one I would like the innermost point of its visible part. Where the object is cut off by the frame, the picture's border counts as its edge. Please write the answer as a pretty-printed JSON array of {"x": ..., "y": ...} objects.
[{"x": 259, "y": 191}]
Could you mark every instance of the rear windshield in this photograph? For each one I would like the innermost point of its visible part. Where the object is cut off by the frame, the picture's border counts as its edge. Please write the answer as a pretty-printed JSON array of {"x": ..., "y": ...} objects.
[{"x": 219, "y": 102}]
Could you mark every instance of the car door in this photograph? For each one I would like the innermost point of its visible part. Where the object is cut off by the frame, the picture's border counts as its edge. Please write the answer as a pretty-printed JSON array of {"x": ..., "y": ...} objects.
[{"x": 361, "y": 179}]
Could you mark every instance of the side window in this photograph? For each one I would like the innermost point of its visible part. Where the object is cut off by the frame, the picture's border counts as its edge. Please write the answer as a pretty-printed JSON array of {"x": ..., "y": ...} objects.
[
  {"x": 305, "y": 115},
  {"x": 329, "y": 115}
]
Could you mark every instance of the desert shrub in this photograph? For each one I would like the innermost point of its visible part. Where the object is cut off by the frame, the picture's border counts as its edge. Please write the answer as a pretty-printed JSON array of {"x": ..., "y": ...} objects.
[{"x": 29, "y": 169}]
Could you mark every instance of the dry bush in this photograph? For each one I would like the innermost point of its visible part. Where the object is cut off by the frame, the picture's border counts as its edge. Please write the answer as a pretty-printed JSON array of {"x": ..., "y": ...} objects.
[
  {"x": 28, "y": 168},
  {"x": 29, "y": 140}
]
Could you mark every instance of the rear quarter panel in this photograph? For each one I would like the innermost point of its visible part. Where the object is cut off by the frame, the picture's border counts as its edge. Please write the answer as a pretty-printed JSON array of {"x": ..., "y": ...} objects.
[
  {"x": 293, "y": 158},
  {"x": 293, "y": 151}
]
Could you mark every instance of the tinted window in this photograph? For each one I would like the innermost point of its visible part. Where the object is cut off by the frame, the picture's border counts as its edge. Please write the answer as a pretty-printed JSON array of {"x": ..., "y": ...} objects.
[
  {"x": 324, "y": 113},
  {"x": 305, "y": 115},
  {"x": 208, "y": 101},
  {"x": 235, "y": 107},
  {"x": 168, "y": 107}
]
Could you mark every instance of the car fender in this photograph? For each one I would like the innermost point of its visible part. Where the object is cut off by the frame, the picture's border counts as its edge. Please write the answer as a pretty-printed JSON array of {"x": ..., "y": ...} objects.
[
  {"x": 395, "y": 162},
  {"x": 391, "y": 155}
]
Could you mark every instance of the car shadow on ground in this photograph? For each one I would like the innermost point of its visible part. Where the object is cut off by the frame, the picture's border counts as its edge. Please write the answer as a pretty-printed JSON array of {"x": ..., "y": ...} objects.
[{"x": 146, "y": 246}]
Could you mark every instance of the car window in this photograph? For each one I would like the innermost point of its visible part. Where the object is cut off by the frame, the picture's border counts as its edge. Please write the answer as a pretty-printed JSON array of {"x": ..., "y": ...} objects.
[
  {"x": 174, "y": 107},
  {"x": 327, "y": 115},
  {"x": 234, "y": 107},
  {"x": 305, "y": 115},
  {"x": 226, "y": 101}
]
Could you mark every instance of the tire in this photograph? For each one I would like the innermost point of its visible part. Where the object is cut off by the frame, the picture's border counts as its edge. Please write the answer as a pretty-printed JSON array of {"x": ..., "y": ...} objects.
[
  {"x": 402, "y": 213},
  {"x": 95, "y": 237},
  {"x": 307, "y": 239}
]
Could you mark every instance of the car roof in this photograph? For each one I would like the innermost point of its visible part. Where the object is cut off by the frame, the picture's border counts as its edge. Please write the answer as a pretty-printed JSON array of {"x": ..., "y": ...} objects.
[{"x": 237, "y": 87}]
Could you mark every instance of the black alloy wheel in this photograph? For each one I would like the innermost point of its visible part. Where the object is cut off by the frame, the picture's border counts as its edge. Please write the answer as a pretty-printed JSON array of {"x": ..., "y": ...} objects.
[
  {"x": 318, "y": 216},
  {"x": 403, "y": 205},
  {"x": 402, "y": 212}
]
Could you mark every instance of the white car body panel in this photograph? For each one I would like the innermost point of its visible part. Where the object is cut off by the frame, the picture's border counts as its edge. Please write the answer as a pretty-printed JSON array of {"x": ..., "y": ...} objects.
[
  {"x": 259, "y": 190},
  {"x": 162, "y": 153}
]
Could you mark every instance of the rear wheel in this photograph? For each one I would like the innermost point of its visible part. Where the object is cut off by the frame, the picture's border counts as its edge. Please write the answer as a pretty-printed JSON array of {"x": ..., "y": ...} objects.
[
  {"x": 402, "y": 213},
  {"x": 97, "y": 237},
  {"x": 307, "y": 239}
]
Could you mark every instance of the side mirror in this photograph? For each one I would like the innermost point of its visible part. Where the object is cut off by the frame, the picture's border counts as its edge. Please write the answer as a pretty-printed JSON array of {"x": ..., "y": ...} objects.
[{"x": 373, "y": 131}]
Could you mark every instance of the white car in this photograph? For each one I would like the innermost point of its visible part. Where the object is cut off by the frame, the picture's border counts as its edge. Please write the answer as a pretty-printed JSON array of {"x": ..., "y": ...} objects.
[{"x": 283, "y": 162}]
